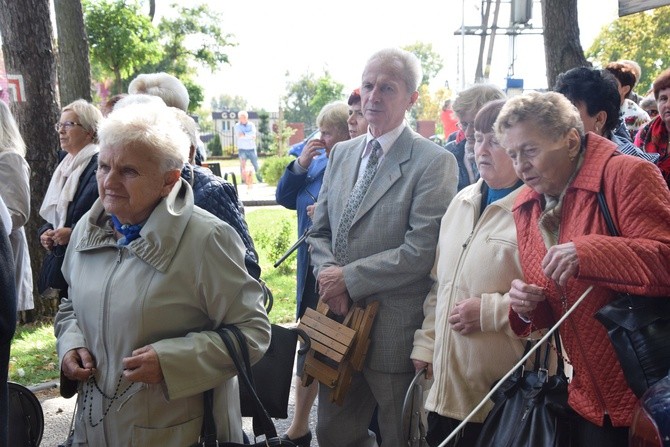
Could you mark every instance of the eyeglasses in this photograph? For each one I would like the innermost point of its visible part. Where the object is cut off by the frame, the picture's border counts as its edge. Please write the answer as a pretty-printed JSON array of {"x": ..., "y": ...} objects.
[
  {"x": 67, "y": 125},
  {"x": 652, "y": 112}
]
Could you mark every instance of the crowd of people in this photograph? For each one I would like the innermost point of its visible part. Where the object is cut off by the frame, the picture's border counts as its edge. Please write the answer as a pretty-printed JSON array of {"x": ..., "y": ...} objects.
[{"x": 468, "y": 249}]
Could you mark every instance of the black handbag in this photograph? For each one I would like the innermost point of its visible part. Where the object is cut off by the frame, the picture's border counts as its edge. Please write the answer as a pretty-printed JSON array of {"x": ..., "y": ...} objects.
[
  {"x": 51, "y": 274},
  {"x": 273, "y": 373},
  {"x": 262, "y": 422},
  {"x": 639, "y": 329},
  {"x": 531, "y": 407}
]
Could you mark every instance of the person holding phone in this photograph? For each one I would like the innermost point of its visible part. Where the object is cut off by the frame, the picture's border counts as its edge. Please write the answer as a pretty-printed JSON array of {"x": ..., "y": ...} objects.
[{"x": 298, "y": 189}]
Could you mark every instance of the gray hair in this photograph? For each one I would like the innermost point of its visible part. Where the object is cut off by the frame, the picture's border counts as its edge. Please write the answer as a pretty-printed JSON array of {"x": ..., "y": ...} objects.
[
  {"x": 473, "y": 98},
  {"x": 138, "y": 98},
  {"x": 10, "y": 137},
  {"x": 188, "y": 125},
  {"x": 551, "y": 112},
  {"x": 88, "y": 114},
  {"x": 147, "y": 127},
  {"x": 170, "y": 89},
  {"x": 408, "y": 64},
  {"x": 335, "y": 115}
]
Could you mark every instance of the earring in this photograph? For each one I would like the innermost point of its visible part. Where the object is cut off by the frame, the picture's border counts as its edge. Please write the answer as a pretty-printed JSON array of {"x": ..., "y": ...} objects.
[
  {"x": 597, "y": 129},
  {"x": 572, "y": 157}
]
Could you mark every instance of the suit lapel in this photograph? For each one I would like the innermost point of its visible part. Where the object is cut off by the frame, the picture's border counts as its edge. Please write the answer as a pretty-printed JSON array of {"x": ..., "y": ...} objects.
[{"x": 387, "y": 174}]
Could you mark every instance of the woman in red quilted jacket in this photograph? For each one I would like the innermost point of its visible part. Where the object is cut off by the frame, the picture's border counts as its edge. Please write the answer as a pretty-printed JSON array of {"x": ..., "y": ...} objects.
[{"x": 565, "y": 247}]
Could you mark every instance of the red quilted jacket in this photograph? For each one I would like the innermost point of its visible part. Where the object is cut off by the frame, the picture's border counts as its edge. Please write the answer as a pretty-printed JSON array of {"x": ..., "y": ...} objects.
[{"x": 638, "y": 262}]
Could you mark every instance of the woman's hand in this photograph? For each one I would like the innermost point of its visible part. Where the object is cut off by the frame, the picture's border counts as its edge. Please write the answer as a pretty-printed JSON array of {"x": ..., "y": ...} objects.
[
  {"x": 525, "y": 297},
  {"x": 310, "y": 210},
  {"x": 464, "y": 317},
  {"x": 419, "y": 365},
  {"x": 561, "y": 263},
  {"x": 310, "y": 151},
  {"x": 46, "y": 239},
  {"x": 143, "y": 366},
  {"x": 61, "y": 236},
  {"x": 78, "y": 364}
]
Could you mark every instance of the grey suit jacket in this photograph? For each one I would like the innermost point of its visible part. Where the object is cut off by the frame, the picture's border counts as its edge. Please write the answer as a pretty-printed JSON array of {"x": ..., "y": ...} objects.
[{"x": 392, "y": 241}]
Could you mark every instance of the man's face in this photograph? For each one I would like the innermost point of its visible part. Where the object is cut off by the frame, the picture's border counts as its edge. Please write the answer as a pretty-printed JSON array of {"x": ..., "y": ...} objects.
[
  {"x": 243, "y": 119},
  {"x": 384, "y": 97}
]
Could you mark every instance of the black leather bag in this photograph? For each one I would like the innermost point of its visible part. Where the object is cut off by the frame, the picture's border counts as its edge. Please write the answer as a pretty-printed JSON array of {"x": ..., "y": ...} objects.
[
  {"x": 531, "y": 408},
  {"x": 262, "y": 423},
  {"x": 639, "y": 329},
  {"x": 51, "y": 274},
  {"x": 26, "y": 419}
]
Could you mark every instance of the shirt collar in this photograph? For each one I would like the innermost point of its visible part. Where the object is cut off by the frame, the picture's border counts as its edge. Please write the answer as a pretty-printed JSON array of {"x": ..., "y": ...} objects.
[{"x": 386, "y": 140}]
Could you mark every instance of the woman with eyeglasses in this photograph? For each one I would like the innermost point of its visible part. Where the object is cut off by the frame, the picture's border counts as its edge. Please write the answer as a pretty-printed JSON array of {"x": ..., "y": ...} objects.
[{"x": 72, "y": 191}]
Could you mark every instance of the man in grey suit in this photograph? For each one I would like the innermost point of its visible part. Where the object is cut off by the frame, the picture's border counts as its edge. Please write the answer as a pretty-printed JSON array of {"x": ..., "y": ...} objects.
[{"x": 373, "y": 239}]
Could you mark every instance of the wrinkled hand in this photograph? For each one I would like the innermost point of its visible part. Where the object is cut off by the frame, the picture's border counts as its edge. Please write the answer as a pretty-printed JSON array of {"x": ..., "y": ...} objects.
[
  {"x": 46, "y": 239},
  {"x": 61, "y": 236},
  {"x": 464, "y": 317},
  {"x": 339, "y": 304},
  {"x": 419, "y": 365},
  {"x": 143, "y": 366},
  {"x": 561, "y": 263},
  {"x": 331, "y": 282},
  {"x": 78, "y": 364},
  {"x": 525, "y": 297},
  {"x": 310, "y": 210},
  {"x": 309, "y": 152}
]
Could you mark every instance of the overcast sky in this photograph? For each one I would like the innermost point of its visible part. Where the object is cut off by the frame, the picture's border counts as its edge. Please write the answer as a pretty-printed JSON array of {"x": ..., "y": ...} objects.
[{"x": 278, "y": 41}]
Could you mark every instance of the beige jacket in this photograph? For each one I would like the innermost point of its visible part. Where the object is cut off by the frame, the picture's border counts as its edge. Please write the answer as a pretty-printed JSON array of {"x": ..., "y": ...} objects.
[
  {"x": 476, "y": 257},
  {"x": 183, "y": 277}
]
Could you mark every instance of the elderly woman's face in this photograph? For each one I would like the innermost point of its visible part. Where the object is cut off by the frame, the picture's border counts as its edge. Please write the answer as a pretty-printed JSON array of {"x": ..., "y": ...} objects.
[
  {"x": 357, "y": 123},
  {"x": 130, "y": 182},
  {"x": 71, "y": 134},
  {"x": 330, "y": 136},
  {"x": 663, "y": 105},
  {"x": 542, "y": 163},
  {"x": 493, "y": 163}
]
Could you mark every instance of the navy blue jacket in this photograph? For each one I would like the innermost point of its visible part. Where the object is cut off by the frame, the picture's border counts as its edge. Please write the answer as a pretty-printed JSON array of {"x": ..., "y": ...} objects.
[
  {"x": 219, "y": 197},
  {"x": 296, "y": 192}
]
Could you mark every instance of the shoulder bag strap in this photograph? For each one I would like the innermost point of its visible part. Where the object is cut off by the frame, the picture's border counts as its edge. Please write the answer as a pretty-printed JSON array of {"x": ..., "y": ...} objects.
[{"x": 606, "y": 214}]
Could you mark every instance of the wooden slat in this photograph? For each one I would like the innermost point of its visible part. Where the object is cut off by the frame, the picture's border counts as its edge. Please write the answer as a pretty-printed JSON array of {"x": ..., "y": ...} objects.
[
  {"x": 321, "y": 372},
  {"x": 340, "y": 333},
  {"x": 320, "y": 339}
]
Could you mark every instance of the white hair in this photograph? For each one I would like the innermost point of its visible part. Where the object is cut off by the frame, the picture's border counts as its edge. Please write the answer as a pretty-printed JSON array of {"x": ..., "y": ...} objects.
[
  {"x": 170, "y": 89},
  {"x": 147, "y": 127},
  {"x": 10, "y": 137}
]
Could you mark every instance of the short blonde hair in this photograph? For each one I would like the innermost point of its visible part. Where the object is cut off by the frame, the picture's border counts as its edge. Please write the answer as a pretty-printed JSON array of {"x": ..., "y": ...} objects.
[
  {"x": 170, "y": 89},
  {"x": 335, "y": 116},
  {"x": 147, "y": 127},
  {"x": 551, "y": 112},
  {"x": 473, "y": 98},
  {"x": 88, "y": 114}
]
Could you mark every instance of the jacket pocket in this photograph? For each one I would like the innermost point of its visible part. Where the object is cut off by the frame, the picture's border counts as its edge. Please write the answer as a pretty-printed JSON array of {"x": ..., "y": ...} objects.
[{"x": 184, "y": 434}]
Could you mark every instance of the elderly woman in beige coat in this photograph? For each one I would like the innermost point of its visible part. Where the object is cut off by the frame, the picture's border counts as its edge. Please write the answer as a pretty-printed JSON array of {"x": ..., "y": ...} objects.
[
  {"x": 466, "y": 341},
  {"x": 150, "y": 277}
]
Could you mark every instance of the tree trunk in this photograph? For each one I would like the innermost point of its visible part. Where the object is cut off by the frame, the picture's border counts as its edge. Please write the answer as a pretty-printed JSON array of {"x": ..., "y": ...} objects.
[
  {"x": 74, "y": 70},
  {"x": 562, "y": 48},
  {"x": 27, "y": 47}
]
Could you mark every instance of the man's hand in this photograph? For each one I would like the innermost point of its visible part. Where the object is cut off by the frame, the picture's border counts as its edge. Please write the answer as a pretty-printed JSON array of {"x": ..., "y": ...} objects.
[
  {"x": 338, "y": 304},
  {"x": 464, "y": 317},
  {"x": 561, "y": 263},
  {"x": 143, "y": 366},
  {"x": 331, "y": 282},
  {"x": 78, "y": 364}
]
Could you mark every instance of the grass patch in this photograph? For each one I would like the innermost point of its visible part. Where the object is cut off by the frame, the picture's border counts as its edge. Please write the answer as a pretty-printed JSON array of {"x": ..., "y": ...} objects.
[{"x": 33, "y": 356}]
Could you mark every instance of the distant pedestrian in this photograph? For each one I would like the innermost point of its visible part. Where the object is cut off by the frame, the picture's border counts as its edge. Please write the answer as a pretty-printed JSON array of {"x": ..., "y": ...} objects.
[{"x": 245, "y": 132}]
